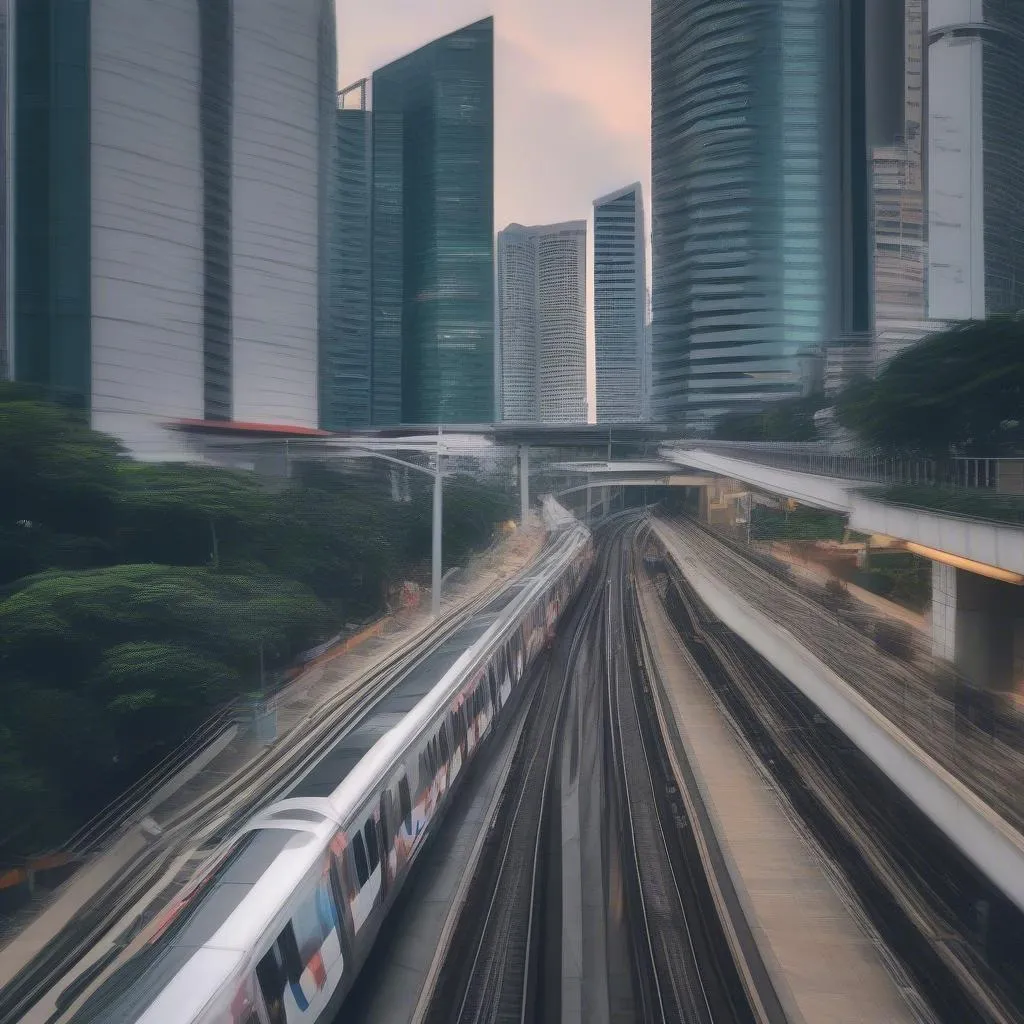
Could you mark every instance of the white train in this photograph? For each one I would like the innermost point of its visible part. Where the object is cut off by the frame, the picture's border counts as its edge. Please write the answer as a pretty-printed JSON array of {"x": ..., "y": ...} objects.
[{"x": 280, "y": 925}]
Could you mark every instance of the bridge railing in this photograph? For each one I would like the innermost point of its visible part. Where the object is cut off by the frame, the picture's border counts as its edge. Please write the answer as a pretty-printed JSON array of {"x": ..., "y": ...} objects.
[{"x": 994, "y": 474}]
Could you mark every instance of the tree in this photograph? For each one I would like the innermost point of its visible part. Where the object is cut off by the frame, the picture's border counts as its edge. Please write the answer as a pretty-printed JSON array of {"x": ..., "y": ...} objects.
[
  {"x": 791, "y": 419},
  {"x": 60, "y": 482},
  {"x": 961, "y": 389},
  {"x": 180, "y": 514}
]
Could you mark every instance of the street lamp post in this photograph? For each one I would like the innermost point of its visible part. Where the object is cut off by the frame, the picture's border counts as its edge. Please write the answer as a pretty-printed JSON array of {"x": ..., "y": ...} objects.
[
  {"x": 435, "y": 579},
  {"x": 437, "y": 473}
]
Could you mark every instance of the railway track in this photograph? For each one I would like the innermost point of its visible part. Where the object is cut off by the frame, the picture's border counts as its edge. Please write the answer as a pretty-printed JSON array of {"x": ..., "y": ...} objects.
[
  {"x": 916, "y": 888},
  {"x": 506, "y": 965},
  {"x": 493, "y": 973},
  {"x": 907, "y": 696},
  {"x": 115, "y": 919},
  {"x": 684, "y": 968}
]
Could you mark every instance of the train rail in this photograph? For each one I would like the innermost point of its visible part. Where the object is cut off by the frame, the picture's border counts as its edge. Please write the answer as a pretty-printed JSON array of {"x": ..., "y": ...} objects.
[
  {"x": 914, "y": 886},
  {"x": 905, "y": 694},
  {"x": 114, "y": 920},
  {"x": 493, "y": 972},
  {"x": 684, "y": 966},
  {"x": 505, "y": 964}
]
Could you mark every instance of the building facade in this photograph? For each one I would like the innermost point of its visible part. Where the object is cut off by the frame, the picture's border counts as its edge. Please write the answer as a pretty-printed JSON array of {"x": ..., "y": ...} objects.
[
  {"x": 346, "y": 347},
  {"x": 975, "y": 167},
  {"x": 898, "y": 210},
  {"x": 432, "y": 225},
  {"x": 620, "y": 305},
  {"x": 542, "y": 322},
  {"x": 169, "y": 175},
  {"x": 760, "y": 228},
  {"x": 5, "y": 167}
]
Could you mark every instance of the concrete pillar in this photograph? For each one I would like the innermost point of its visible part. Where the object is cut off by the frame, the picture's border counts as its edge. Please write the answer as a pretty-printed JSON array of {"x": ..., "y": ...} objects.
[
  {"x": 605, "y": 500},
  {"x": 943, "y": 611},
  {"x": 524, "y": 485},
  {"x": 989, "y": 628}
]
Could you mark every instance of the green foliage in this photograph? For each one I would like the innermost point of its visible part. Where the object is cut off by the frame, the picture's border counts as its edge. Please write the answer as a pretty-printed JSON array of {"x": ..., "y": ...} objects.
[
  {"x": 791, "y": 419},
  {"x": 60, "y": 482},
  {"x": 62, "y": 624},
  {"x": 137, "y": 598},
  {"x": 802, "y": 523},
  {"x": 29, "y": 806},
  {"x": 960, "y": 389},
  {"x": 1006, "y": 508}
]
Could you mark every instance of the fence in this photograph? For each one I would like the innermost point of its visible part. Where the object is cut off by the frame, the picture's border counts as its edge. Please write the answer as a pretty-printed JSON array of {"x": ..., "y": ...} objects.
[{"x": 992, "y": 474}]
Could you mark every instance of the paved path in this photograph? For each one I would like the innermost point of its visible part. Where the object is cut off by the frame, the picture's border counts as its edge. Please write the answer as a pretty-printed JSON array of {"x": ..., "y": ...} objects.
[{"x": 826, "y": 965}]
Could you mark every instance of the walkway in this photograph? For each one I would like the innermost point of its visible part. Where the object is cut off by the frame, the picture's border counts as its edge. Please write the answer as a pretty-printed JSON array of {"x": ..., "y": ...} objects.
[{"x": 826, "y": 963}]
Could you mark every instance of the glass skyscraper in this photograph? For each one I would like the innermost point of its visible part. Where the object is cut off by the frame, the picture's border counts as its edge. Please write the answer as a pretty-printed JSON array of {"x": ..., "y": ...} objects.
[
  {"x": 542, "y": 322},
  {"x": 620, "y": 305},
  {"x": 345, "y": 349},
  {"x": 759, "y": 204},
  {"x": 433, "y": 232}
]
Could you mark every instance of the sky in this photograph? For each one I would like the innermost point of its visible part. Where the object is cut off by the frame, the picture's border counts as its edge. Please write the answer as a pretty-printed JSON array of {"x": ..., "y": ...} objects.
[
  {"x": 571, "y": 95},
  {"x": 572, "y": 91}
]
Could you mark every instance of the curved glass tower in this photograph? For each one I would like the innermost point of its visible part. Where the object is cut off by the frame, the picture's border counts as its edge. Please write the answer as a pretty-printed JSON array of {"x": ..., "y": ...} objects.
[
  {"x": 433, "y": 232},
  {"x": 753, "y": 260}
]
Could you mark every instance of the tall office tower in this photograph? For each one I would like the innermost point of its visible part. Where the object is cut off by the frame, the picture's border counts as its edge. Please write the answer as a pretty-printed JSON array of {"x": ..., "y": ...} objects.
[
  {"x": 975, "y": 164},
  {"x": 542, "y": 318},
  {"x": 899, "y": 214},
  {"x": 5, "y": 92},
  {"x": 620, "y": 291},
  {"x": 169, "y": 179},
  {"x": 345, "y": 350},
  {"x": 760, "y": 231},
  {"x": 433, "y": 232}
]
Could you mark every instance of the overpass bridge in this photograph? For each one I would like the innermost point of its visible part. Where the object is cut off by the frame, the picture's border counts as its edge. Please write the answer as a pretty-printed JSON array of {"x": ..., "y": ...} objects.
[{"x": 977, "y": 616}]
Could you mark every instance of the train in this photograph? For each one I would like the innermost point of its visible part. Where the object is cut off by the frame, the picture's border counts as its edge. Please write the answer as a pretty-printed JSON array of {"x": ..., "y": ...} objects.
[{"x": 278, "y": 926}]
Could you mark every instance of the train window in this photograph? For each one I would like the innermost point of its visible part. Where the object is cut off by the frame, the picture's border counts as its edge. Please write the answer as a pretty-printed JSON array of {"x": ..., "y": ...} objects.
[
  {"x": 271, "y": 977},
  {"x": 442, "y": 743},
  {"x": 386, "y": 819},
  {"x": 359, "y": 852},
  {"x": 405, "y": 803},
  {"x": 371, "y": 843}
]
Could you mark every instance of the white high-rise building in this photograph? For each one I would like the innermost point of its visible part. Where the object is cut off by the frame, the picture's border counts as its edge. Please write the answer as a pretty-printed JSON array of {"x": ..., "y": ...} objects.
[
  {"x": 620, "y": 306},
  {"x": 168, "y": 245},
  {"x": 975, "y": 161},
  {"x": 542, "y": 328}
]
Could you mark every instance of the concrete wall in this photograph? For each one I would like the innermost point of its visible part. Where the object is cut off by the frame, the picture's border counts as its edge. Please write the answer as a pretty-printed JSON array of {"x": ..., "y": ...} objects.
[
  {"x": 275, "y": 211},
  {"x": 992, "y": 543},
  {"x": 147, "y": 208},
  {"x": 989, "y": 631}
]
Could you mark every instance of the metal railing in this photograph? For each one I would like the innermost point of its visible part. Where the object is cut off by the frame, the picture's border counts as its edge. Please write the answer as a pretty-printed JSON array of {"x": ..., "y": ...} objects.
[{"x": 991, "y": 474}]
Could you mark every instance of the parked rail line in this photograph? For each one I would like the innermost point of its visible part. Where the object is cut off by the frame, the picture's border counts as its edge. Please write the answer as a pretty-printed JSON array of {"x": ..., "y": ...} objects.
[{"x": 919, "y": 891}]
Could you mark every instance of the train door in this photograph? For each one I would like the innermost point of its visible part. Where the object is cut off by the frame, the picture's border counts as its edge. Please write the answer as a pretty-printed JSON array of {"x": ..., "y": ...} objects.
[
  {"x": 304, "y": 966},
  {"x": 366, "y": 860},
  {"x": 492, "y": 685}
]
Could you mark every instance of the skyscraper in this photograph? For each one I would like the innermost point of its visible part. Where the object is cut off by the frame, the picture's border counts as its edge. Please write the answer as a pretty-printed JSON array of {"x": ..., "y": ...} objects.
[
  {"x": 5, "y": 167},
  {"x": 433, "y": 229},
  {"x": 759, "y": 205},
  {"x": 169, "y": 177},
  {"x": 975, "y": 167},
  {"x": 542, "y": 287},
  {"x": 345, "y": 365},
  {"x": 620, "y": 289}
]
